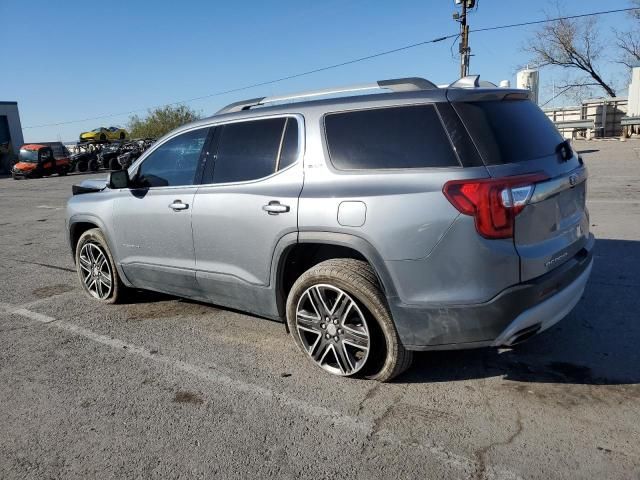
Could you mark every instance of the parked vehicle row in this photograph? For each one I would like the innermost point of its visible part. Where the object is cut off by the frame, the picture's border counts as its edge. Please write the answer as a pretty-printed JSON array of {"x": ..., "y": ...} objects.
[
  {"x": 46, "y": 158},
  {"x": 375, "y": 225}
]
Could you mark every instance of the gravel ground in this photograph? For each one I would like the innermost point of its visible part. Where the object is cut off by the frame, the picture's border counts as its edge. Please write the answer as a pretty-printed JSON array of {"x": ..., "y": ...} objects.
[{"x": 173, "y": 388}]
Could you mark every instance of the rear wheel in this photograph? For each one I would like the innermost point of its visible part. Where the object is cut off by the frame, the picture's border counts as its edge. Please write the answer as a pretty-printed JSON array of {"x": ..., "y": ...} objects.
[
  {"x": 338, "y": 317},
  {"x": 121, "y": 135},
  {"x": 96, "y": 268},
  {"x": 83, "y": 166},
  {"x": 93, "y": 165},
  {"x": 103, "y": 137}
]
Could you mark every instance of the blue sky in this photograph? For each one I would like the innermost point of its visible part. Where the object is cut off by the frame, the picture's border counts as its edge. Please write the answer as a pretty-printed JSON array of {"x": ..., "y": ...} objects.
[{"x": 73, "y": 60}]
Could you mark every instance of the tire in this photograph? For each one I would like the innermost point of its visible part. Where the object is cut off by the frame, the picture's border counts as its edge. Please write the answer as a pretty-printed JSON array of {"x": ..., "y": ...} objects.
[
  {"x": 90, "y": 243},
  {"x": 92, "y": 165},
  {"x": 382, "y": 357},
  {"x": 122, "y": 135},
  {"x": 114, "y": 165},
  {"x": 82, "y": 166},
  {"x": 63, "y": 171},
  {"x": 103, "y": 137}
]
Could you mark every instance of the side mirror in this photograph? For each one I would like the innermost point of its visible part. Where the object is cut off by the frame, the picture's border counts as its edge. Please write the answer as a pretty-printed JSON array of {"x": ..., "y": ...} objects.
[{"x": 119, "y": 179}]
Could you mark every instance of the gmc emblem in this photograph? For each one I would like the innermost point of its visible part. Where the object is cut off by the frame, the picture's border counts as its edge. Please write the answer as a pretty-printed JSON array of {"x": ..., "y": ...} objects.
[{"x": 573, "y": 179}]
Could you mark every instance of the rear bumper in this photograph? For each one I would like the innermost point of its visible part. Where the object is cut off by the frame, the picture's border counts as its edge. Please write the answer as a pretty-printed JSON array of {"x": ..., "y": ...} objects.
[
  {"x": 512, "y": 316},
  {"x": 546, "y": 314}
]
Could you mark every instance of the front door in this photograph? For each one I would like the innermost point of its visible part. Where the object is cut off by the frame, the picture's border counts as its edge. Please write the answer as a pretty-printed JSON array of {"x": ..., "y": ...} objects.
[
  {"x": 247, "y": 203},
  {"x": 47, "y": 162},
  {"x": 152, "y": 219}
]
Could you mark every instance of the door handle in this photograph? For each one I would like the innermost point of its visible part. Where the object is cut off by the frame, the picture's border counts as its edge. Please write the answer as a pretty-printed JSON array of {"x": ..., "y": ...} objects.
[
  {"x": 274, "y": 207},
  {"x": 177, "y": 205}
]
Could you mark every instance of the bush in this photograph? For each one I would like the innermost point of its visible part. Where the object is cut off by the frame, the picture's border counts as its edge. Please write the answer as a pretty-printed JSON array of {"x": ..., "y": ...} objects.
[{"x": 160, "y": 121}]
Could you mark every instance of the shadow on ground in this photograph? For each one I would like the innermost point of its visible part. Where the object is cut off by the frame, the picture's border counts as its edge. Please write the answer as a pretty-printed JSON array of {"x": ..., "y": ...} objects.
[{"x": 597, "y": 344}]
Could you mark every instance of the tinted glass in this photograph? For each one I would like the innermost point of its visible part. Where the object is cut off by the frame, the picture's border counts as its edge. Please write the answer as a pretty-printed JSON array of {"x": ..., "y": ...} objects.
[
  {"x": 29, "y": 156},
  {"x": 174, "y": 163},
  {"x": 247, "y": 150},
  {"x": 398, "y": 137},
  {"x": 289, "y": 151},
  {"x": 509, "y": 131}
]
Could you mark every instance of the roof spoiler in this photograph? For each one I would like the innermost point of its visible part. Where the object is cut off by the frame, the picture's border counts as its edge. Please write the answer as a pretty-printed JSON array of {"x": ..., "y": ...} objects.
[{"x": 472, "y": 81}]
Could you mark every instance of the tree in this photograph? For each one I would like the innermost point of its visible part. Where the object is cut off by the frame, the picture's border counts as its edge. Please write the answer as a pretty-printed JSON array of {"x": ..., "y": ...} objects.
[
  {"x": 574, "y": 45},
  {"x": 628, "y": 41},
  {"x": 160, "y": 120}
]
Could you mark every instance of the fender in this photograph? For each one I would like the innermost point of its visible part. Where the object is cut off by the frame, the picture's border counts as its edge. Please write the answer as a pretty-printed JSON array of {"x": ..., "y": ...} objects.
[
  {"x": 354, "y": 242},
  {"x": 89, "y": 218},
  {"x": 362, "y": 246}
]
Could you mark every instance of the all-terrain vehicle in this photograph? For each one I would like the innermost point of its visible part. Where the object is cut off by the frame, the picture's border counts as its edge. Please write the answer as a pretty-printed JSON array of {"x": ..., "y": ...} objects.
[
  {"x": 41, "y": 159},
  {"x": 86, "y": 159},
  {"x": 108, "y": 156},
  {"x": 132, "y": 150}
]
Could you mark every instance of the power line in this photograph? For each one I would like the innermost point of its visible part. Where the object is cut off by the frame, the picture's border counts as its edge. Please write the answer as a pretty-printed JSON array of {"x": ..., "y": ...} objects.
[
  {"x": 337, "y": 65},
  {"x": 261, "y": 84},
  {"x": 549, "y": 20}
]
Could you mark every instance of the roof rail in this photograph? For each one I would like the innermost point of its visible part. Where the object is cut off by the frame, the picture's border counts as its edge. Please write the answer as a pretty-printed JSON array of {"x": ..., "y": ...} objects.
[
  {"x": 471, "y": 81},
  {"x": 411, "y": 84}
]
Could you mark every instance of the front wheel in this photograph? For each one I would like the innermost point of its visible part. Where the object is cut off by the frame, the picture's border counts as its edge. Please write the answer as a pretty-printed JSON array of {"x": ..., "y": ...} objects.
[
  {"x": 96, "y": 268},
  {"x": 338, "y": 317}
]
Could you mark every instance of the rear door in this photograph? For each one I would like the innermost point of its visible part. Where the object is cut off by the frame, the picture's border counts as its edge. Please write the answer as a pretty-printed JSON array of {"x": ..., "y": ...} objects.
[
  {"x": 514, "y": 137},
  {"x": 247, "y": 203}
]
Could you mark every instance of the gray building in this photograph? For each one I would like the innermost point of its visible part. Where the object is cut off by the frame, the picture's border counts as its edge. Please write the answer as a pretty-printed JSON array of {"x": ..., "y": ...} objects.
[{"x": 10, "y": 134}]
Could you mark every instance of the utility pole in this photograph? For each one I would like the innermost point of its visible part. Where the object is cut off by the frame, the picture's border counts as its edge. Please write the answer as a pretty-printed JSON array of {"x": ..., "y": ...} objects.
[{"x": 464, "y": 49}]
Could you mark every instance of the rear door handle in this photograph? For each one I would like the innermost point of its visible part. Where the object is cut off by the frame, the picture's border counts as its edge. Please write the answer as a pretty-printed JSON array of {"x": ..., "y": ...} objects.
[
  {"x": 177, "y": 205},
  {"x": 274, "y": 207}
]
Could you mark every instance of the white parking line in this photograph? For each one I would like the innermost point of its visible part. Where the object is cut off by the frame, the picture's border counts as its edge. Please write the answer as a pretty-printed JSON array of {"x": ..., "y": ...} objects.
[{"x": 359, "y": 424}]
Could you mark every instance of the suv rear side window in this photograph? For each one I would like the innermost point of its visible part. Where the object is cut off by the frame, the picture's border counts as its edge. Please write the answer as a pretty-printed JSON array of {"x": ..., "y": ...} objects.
[
  {"x": 384, "y": 138},
  {"x": 509, "y": 131},
  {"x": 248, "y": 150}
]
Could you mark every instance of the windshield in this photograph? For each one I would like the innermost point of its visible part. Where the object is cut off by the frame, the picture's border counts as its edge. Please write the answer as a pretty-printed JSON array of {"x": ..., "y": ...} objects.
[
  {"x": 510, "y": 130},
  {"x": 96, "y": 129},
  {"x": 29, "y": 156}
]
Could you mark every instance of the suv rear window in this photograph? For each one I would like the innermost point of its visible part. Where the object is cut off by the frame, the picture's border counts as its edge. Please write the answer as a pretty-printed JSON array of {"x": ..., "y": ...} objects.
[
  {"x": 385, "y": 138},
  {"x": 509, "y": 131}
]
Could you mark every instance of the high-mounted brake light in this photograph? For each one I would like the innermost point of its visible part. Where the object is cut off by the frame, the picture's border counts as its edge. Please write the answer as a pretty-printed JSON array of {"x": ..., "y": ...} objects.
[{"x": 493, "y": 202}]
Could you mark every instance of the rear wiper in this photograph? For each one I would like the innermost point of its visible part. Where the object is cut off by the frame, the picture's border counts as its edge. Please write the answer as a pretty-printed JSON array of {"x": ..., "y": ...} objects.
[{"x": 564, "y": 150}]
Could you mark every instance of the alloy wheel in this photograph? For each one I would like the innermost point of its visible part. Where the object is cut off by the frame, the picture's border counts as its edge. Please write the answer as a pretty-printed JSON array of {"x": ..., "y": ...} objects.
[
  {"x": 95, "y": 270},
  {"x": 333, "y": 329}
]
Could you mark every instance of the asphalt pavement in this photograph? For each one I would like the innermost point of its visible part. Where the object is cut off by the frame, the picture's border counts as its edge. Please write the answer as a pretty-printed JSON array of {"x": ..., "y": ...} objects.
[{"x": 164, "y": 387}]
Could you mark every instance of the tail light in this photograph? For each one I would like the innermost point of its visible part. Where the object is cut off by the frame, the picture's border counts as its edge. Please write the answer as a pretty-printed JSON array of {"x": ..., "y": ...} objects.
[{"x": 493, "y": 202}]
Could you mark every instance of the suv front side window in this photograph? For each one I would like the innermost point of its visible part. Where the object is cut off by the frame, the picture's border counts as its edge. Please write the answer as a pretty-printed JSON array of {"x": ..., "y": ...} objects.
[{"x": 174, "y": 163}]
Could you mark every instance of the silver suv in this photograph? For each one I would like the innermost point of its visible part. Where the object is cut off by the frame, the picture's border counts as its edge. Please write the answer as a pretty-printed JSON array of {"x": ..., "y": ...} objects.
[{"x": 373, "y": 224}]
